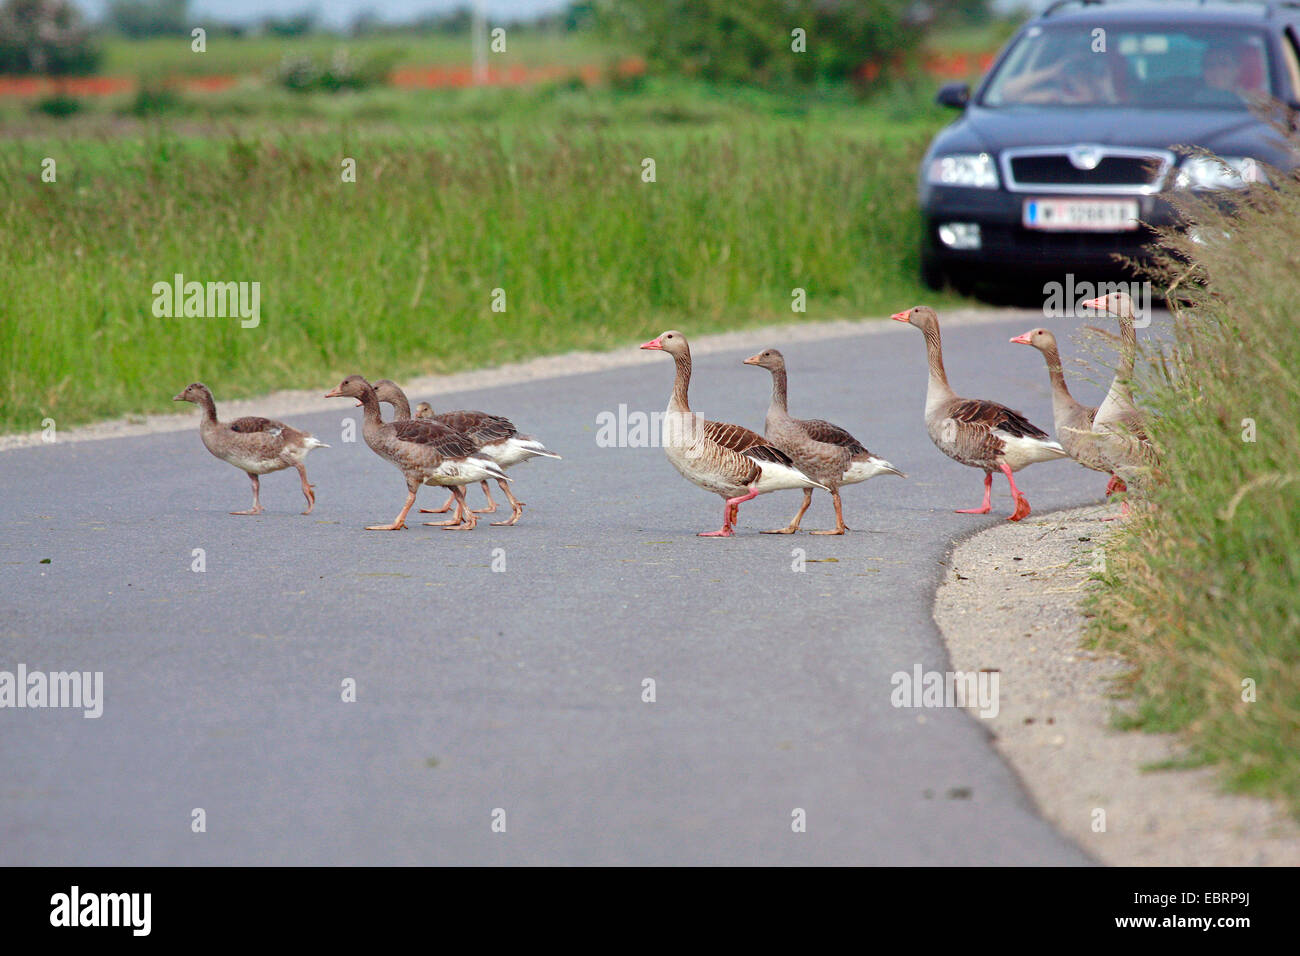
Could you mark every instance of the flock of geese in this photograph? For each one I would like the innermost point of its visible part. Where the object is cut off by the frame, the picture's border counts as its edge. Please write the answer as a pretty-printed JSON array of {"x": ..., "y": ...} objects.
[{"x": 456, "y": 449}]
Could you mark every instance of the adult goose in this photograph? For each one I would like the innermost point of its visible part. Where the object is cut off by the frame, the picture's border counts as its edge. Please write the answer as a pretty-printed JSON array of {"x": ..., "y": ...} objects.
[
  {"x": 256, "y": 446},
  {"x": 425, "y": 452},
  {"x": 1119, "y": 427},
  {"x": 975, "y": 431},
  {"x": 1073, "y": 420},
  {"x": 496, "y": 437},
  {"x": 819, "y": 449},
  {"x": 728, "y": 460}
]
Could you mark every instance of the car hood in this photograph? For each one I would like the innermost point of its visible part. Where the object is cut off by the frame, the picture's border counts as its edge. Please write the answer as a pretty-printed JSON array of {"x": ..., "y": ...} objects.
[{"x": 1226, "y": 132}]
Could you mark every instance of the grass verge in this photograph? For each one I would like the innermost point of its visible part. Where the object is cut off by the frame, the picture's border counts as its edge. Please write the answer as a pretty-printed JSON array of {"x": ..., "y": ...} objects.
[
  {"x": 1203, "y": 590},
  {"x": 540, "y": 194}
]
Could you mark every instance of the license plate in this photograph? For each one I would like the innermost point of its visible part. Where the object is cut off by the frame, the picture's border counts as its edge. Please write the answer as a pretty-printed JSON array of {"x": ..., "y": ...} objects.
[{"x": 1081, "y": 215}]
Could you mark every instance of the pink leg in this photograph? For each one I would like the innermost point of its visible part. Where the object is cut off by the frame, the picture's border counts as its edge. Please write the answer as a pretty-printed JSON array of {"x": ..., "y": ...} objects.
[
  {"x": 437, "y": 511},
  {"x": 459, "y": 516},
  {"x": 1022, "y": 503},
  {"x": 729, "y": 515},
  {"x": 492, "y": 505},
  {"x": 1123, "y": 512},
  {"x": 988, "y": 498},
  {"x": 257, "y": 503},
  {"x": 307, "y": 489}
]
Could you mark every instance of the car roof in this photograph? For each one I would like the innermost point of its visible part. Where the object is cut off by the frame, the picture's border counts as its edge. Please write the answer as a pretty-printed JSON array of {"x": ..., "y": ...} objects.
[{"x": 1167, "y": 11}]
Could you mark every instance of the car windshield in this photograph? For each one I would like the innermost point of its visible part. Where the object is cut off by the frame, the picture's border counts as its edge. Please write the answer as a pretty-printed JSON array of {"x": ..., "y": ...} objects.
[{"x": 1144, "y": 67}]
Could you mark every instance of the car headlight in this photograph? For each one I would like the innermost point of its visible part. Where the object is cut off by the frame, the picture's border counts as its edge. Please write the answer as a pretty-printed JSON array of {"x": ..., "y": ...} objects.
[
  {"x": 963, "y": 169},
  {"x": 1230, "y": 172}
]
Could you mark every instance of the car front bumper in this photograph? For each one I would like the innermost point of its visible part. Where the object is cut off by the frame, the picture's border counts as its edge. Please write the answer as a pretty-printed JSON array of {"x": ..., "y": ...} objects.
[{"x": 1006, "y": 244}]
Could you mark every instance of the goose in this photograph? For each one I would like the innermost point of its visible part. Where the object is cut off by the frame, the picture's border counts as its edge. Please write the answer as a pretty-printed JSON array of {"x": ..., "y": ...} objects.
[
  {"x": 1072, "y": 419},
  {"x": 1119, "y": 427},
  {"x": 728, "y": 460},
  {"x": 497, "y": 438},
  {"x": 257, "y": 446},
  {"x": 819, "y": 449},
  {"x": 501, "y": 442},
  {"x": 425, "y": 452},
  {"x": 975, "y": 431}
]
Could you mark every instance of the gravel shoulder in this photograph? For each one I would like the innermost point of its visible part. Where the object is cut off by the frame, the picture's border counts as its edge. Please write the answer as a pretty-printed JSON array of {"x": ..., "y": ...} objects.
[{"x": 1010, "y": 602}]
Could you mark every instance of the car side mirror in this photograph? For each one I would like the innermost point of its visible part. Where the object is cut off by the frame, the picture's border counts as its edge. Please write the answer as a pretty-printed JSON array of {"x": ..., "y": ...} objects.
[{"x": 956, "y": 95}]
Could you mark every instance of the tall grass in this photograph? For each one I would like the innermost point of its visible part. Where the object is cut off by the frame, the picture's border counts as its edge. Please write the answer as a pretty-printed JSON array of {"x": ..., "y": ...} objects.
[
  {"x": 395, "y": 274},
  {"x": 1203, "y": 590}
]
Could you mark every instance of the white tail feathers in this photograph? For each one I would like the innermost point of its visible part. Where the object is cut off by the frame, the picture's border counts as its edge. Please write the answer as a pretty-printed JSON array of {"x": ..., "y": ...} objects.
[
  {"x": 864, "y": 469},
  {"x": 521, "y": 449},
  {"x": 491, "y": 467},
  {"x": 776, "y": 477}
]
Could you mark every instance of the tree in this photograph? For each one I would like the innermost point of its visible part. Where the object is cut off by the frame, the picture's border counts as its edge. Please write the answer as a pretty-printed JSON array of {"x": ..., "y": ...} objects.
[
  {"x": 753, "y": 41},
  {"x": 45, "y": 36}
]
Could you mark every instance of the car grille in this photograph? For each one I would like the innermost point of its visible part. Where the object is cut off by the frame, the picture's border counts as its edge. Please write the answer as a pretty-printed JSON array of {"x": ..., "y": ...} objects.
[{"x": 1117, "y": 171}]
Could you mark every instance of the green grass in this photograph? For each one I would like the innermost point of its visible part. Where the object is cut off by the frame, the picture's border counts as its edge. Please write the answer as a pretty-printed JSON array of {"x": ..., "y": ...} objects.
[
  {"x": 537, "y": 192},
  {"x": 1203, "y": 590},
  {"x": 168, "y": 56}
]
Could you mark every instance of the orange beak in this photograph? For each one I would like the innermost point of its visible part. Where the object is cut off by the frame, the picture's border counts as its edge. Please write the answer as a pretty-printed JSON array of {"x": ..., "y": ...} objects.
[
  {"x": 334, "y": 392},
  {"x": 1021, "y": 340},
  {"x": 902, "y": 316},
  {"x": 753, "y": 359},
  {"x": 1097, "y": 303},
  {"x": 653, "y": 345}
]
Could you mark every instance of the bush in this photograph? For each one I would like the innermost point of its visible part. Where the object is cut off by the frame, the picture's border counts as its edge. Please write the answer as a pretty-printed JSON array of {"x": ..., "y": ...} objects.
[
  {"x": 58, "y": 105},
  {"x": 45, "y": 36},
  {"x": 154, "y": 100},
  {"x": 751, "y": 41},
  {"x": 301, "y": 73}
]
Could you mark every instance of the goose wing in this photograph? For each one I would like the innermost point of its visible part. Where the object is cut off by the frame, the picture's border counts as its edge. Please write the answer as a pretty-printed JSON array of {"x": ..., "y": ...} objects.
[
  {"x": 982, "y": 413},
  {"x": 734, "y": 437},
  {"x": 480, "y": 426},
  {"x": 823, "y": 431},
  {"x": 441, "y": 438},
  {"x": 253, "y": 424}
]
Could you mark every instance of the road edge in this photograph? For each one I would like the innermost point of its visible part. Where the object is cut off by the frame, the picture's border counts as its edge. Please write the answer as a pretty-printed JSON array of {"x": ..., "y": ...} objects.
[
  {"x": 1010, "y": 602},
  {"x": 306, "y": 401}
]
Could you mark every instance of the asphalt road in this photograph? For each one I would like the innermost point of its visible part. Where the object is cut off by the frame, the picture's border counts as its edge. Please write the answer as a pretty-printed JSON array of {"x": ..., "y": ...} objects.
[{"x": 517, "y": 689}]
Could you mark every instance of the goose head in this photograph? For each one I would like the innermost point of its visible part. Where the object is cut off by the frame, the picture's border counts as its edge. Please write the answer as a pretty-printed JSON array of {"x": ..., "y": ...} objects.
[
  {"x": 1116, "y": 303},
  {"x": 194, "y": 392},
  {"x": 386, "y": 390},
  {"x": 1040, "y": 339},
  {"x": 922, "y": 316},
  {"x": 770, "y": 359},
  {"x": 672, "y": 342},
  {"x": 354, "y": 386}
]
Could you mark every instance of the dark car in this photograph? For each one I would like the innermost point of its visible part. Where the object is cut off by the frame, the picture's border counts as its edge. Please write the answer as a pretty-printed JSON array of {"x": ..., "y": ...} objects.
[{"x": 1061, "y": 155}]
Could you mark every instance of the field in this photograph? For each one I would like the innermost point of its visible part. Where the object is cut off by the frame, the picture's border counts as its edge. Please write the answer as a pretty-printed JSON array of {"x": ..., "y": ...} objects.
[{"x": 537, "y": 191}]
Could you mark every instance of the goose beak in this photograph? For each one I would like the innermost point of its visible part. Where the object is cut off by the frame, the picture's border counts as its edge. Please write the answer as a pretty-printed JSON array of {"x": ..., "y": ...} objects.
[
  {"x": 752, "y": 360},
  {"x": 1021, "y": 339},
  {"x": 1098, "y": 303},
  {"x": 179, "y": 398},
  {"x": 653, "y": 345},
  {"x": 334, "y": 392},
  {"x": 902, "y": 316}
]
